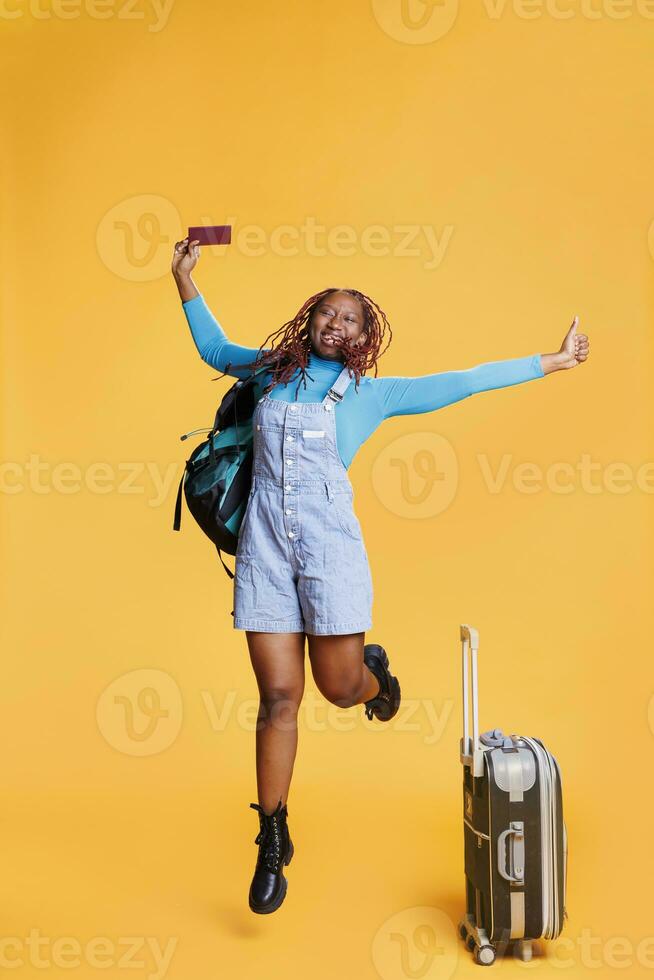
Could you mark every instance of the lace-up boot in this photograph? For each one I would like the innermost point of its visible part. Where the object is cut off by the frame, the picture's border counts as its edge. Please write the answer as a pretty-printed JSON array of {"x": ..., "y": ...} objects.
[
  {"x": 268, "y": 888},
  {"x": 386, "y": 703}
]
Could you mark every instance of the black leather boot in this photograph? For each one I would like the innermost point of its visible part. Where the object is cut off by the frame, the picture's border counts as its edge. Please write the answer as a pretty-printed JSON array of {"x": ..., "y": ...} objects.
[
  {"x": 385, "y": 704},
  {"x": 268, "y": 888}
]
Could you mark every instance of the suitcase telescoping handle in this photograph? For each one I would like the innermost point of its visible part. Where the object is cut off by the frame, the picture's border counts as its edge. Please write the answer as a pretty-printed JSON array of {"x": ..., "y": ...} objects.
[{"x": 472, "y": 754}]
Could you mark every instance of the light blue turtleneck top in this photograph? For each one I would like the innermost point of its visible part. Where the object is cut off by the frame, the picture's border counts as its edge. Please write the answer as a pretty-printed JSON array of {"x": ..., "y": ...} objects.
[{"x": 362, "y": 411}]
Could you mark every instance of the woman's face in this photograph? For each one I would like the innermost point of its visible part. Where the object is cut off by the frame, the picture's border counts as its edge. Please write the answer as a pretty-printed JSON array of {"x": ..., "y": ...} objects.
[{"x": 338, "y": 319}]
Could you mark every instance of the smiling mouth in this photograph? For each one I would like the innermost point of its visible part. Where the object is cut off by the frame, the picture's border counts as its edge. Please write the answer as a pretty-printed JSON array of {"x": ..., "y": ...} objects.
[{"x": 330, "y": 339}]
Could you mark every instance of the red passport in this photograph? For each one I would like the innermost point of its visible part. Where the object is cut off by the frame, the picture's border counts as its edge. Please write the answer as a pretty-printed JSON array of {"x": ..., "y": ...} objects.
[{"x": 211, "y": 234}]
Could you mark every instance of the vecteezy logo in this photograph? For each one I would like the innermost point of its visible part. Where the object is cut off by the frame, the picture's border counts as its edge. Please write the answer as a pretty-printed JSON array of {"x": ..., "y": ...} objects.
[
  {"x": 140, "y": 713},
  {"x": 416, "y": 475},
  {"x": 416, "y": 942},
  {"x": 135, "y": 237},
  {"x": 415, "y": 21}
]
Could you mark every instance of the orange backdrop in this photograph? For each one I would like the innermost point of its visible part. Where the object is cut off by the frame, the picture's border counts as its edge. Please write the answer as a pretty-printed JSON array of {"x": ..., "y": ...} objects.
[{"x": 484, "y": 172}]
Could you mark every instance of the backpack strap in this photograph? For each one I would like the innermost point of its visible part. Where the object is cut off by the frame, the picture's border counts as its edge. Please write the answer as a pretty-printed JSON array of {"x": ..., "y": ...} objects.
[
  {"x": 177, "y": 521},
  {"x": 340, "y": 386},
  {"x": 229, "y": 572}
]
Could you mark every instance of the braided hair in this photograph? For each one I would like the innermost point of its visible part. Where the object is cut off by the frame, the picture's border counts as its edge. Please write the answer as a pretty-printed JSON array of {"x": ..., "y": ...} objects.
[{"x": 291, "y": 344}]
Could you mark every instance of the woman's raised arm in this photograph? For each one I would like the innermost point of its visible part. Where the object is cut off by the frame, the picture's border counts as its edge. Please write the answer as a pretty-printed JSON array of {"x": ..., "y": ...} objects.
[{"x": 209, "y": 337}]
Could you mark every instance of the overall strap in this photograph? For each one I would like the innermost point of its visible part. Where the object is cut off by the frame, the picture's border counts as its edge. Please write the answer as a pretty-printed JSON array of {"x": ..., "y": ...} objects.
[{"x": 340, "y": 386}]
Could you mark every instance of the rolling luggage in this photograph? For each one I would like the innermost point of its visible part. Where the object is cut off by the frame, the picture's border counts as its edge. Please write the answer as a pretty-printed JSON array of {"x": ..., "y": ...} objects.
[{"x": 515, "y": 835}]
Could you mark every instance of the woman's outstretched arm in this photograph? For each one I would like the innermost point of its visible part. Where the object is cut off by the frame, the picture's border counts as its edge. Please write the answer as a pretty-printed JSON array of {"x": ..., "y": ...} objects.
[
  {"x": 412, "y": 396},
  {"x": 209, "y": 337}
]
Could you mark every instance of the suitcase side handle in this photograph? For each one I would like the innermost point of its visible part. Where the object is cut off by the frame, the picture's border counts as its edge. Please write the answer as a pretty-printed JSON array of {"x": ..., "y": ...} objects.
[
  {"x": 472, "y": 753},
  {"x": 517, "y": 852}
]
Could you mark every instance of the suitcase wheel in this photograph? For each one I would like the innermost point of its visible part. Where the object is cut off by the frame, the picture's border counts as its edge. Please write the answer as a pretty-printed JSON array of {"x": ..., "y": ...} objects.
[
  {"x": 485, "y": 955},
  {"x": 524, "y": 950}
]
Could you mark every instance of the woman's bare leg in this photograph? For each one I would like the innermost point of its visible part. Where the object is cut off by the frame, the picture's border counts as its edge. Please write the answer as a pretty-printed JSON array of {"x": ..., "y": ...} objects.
[
  {"x": 278, "y": 662},
  {"x": 339, "y": 671}
]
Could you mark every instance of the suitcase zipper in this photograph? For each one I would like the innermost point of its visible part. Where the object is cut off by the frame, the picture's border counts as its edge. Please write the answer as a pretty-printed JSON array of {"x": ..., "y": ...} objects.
[
  {"x": 557, "y": 897},
  {"x": 549, "y": 842},
  {"x": 565, "y": 855}
]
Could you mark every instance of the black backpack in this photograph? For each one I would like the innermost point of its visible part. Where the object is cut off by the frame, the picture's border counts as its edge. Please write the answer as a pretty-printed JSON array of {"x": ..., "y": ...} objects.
[{"x": 218, "y": 474}]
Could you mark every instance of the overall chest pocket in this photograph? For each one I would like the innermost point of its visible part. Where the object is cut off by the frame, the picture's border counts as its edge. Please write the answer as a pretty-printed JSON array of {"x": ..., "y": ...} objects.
[{"x": 312, "y": 444}]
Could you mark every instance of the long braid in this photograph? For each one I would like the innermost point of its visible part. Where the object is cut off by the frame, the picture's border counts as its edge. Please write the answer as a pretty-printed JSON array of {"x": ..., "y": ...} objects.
[{"x": 290, "y": 344}]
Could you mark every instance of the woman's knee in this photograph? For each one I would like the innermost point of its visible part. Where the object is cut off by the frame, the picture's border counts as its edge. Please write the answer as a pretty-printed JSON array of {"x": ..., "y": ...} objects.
[
  {"x": 280, "y": 700},
  {"x": 337, "y": 667},
  {"x": 344, "y": 692}
]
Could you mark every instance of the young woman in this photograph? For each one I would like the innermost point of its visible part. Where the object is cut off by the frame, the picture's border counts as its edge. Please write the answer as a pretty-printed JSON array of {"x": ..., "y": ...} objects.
[{"x": 301, "y": 564}]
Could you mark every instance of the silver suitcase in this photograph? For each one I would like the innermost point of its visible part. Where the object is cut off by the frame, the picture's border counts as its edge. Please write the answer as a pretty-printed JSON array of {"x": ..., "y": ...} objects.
[{"x": 515, "y": 835}]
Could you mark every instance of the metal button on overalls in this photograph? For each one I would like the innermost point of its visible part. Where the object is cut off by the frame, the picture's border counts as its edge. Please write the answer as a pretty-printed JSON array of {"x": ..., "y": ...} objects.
[{"x": 301, "y": 563}]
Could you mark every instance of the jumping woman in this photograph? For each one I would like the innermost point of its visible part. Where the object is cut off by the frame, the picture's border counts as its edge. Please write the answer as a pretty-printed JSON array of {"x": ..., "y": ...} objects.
[{"x": 301, "y": 564}]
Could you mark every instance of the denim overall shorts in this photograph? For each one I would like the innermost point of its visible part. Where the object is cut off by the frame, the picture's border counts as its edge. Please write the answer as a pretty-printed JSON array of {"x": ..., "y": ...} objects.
[{"x": 301, "y": 563}]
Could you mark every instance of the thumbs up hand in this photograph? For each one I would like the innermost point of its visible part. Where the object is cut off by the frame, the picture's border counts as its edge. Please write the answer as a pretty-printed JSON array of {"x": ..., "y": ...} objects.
[
  {"x": 575, "y": 346},
  {"x": 573, "y": 351}
]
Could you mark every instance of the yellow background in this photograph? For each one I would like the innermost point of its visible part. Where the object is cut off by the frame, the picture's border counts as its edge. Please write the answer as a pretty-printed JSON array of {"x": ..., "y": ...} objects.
[{"x": 526, "y": 133}]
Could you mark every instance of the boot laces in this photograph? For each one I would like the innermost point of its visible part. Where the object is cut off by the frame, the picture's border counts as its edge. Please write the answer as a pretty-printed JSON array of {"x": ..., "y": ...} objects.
[
  {"x": 269, "y": 839},
  {"x": 382, "y": 695},
  {"x": 371, "y": 705}
]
